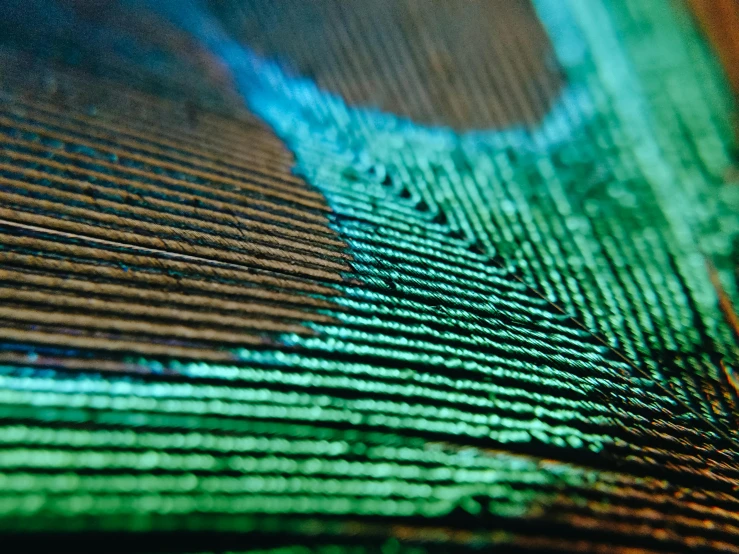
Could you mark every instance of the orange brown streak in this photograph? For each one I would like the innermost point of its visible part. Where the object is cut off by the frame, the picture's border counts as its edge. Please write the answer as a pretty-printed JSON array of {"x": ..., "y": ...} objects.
[
  {"x": 225, "y": 269},
  {"x": 23, "y": 280},
  {"x": 725, "y": 303},
  {"x": 167, "y": 282},
  {"x": 720, "y": 21},
  {"x": 125, "y": 154},
  {"x": 249, "y": 143},
  {"x": 285, "y": 248},
  {"x": 237, "y": 204},
  {"x": 166, "y": 247}
]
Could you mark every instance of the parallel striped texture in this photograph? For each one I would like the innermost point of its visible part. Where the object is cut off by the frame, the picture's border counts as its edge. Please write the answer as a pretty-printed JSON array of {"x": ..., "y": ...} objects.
[
  {"x": 121, "y": 237},
  {"x": 403, "y": 338},
  {"x": 476, "y": 64}
]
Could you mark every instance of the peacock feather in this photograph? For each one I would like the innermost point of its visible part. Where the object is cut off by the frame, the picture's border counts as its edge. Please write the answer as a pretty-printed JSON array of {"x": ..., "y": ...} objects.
[{"x": 323, "y": 276}]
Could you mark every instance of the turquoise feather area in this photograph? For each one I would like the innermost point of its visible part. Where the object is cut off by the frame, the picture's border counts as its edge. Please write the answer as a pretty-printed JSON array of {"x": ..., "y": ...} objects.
[{"x": 567, "y": 256}]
